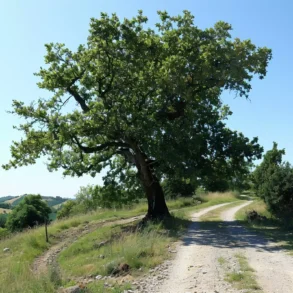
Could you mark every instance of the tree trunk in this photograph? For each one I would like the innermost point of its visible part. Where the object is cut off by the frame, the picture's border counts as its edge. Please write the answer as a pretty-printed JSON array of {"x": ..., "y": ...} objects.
[
  {"x": 157, "y": 207},
  {"x": 46, "y": 231}
]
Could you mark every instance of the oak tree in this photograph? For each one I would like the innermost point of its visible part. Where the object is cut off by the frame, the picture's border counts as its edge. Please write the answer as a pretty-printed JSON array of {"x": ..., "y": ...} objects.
[{"x": 143, "y": 98}]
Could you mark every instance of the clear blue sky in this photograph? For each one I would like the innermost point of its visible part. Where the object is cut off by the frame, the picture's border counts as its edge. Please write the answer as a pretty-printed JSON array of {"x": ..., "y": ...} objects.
[{"x": 27, "y": 25}]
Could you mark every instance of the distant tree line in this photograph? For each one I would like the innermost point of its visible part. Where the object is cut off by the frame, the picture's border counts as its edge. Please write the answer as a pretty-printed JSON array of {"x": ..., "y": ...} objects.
[{"x": 4, "y": 205}]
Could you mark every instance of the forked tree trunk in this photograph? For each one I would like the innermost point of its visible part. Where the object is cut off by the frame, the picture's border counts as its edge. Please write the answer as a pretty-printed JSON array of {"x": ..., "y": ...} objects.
[{"x": 157, "y": 207}]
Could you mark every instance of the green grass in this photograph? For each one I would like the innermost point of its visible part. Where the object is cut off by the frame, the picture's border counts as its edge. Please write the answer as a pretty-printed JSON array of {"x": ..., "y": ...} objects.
[
  {"x": 15, "y": 269},
  {"x": 3, "y": 233},
  {"x": 139, "y": 248},
  {"x": 222, "y": 260},
  {"x": 26, "y": 246},
  {"x": 257, "y": 205},
  {"x": 220, "y": 197},
  {"x": 243, "y": 279},
  {"x": 271, "y": 228}
]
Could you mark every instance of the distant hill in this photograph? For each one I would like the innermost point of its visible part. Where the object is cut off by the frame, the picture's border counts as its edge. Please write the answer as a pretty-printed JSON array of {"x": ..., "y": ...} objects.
[
  {"x": 14, "y": 200},
  {"x": 58, "y": 206},
  {"x": 54, "y": 201},
  {"x": 6, "y": 198}
]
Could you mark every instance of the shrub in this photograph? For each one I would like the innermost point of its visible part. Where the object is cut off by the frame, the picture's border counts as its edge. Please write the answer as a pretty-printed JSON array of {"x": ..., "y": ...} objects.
[
  {"x": 200, "y": 191},
  {"x": 254, "y": 216},
  {"x": 5, "y": 205},
  {"x": 31, "y": 211},
  {"x": 3, "y": 233},
  {"x": 3, "y": 219},
  {"x": 273, "y": 182},
  {"x": 66, "y": 209}
]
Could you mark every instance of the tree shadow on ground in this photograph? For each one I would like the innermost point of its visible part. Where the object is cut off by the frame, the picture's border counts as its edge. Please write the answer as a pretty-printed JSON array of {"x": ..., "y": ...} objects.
[
  {"x": 172, "y": 226},
  {"x": 274, "y": 230},
  {"x": 231, "y": 235},
  {"x": 175, "y": 225}
]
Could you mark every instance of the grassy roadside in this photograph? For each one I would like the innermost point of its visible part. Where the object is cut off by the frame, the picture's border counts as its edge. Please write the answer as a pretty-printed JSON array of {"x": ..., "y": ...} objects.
[
  {"x": 141, "y": 248},
  {"x": 244, "y": 278},
  {"x": 15, "y": 274},
  {"x": 259, "y": 206},
  {"x": 270, "y": 227}
]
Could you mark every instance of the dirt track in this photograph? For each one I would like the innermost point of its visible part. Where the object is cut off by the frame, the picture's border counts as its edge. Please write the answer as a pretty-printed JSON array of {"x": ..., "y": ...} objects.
[
  {"x": 273, "y": 267},
  {"x": 196, "y": 267}
]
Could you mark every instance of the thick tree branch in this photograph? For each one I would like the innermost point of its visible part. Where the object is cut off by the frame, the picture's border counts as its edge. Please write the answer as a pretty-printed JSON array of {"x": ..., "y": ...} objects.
[
  {"x": 79, "y": 99},
  {"x": 77, "y": 172},
  {"x": 75, "y": 94},
  {"x": 101, "y": 147}
]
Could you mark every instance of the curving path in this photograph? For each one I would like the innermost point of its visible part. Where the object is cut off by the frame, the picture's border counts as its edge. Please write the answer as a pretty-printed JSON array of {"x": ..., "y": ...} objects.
[
  {"x": 273, "y": 267},
  {"x": 197, "y": 266}
]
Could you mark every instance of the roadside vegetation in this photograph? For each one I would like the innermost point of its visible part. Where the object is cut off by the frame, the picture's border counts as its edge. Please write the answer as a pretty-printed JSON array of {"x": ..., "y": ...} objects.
[
  {"x": 24, "y": 247},
  {"x": 244, "y": 278},
  {"x": 258, "y": 218},
  {"x": 101, "y": 252},
  {"x": 271, "y": 212},
  {"x": 273, "y": 182},
  {"x": 31, "y": 211}
]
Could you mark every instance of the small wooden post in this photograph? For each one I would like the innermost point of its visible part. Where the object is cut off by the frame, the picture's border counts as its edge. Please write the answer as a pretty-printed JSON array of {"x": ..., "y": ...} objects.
[{"x": 46, "y": 230}]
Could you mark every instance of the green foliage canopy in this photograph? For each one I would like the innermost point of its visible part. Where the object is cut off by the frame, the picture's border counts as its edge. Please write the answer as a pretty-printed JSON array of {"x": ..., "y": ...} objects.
[
  {"x": 177, "y": 187},
  {"x": 3, "y": 219},
  {"x": 66, "y": 209},
  {"x": 273, "y": 181},
  {"x": 4, "y": 205},
  {"x": 31, "y": 211},
  {"x": 141, "y": 97}
]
